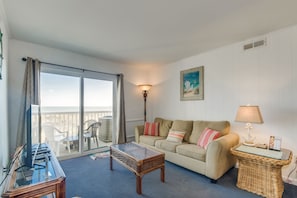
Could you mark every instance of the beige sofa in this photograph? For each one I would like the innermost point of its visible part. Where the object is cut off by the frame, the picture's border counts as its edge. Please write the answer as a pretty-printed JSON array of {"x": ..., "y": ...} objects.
[{"x": 212, "y": 162}]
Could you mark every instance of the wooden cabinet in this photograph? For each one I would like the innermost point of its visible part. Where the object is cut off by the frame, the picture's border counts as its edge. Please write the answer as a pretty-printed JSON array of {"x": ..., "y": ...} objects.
[{"x": 45, "y": 178}]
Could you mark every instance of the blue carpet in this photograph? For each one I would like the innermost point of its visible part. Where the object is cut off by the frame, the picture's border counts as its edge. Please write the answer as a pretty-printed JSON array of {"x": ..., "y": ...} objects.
[{"x": 89, "y": 178}]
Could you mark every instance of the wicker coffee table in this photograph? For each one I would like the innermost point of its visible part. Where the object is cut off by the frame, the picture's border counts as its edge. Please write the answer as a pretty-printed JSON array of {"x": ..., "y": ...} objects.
[
  {"x": 259, "y": 174},
  {"x": 139, "y": 160}
]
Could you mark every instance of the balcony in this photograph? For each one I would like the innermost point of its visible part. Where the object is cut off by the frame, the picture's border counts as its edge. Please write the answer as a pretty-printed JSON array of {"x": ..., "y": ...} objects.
[{"x": 61, "y": 131}]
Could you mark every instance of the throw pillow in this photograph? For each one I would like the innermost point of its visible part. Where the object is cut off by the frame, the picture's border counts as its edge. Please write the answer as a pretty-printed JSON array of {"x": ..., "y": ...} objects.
[
  {"x": 175, "y": 136},
  {"x": 207, "y": 136},
  {"x": 151, "y": 129}
]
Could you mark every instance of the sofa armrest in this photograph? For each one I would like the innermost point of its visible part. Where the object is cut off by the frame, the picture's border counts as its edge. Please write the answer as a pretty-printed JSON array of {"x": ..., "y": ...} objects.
[
  {"x": 138, "y": 132},
  {"x": 218, "y": 156}
]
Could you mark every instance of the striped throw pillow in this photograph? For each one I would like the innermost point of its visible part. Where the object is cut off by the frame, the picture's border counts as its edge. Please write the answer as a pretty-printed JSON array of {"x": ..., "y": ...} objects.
[
  {"x": 207, "y": 136},
  {"x": 151, "y": 129},
  {"x": 175, "y": 136}
]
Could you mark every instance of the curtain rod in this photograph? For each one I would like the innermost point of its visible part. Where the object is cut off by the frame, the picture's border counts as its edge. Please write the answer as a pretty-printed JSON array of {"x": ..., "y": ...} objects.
[{"x": 70, "y": 67}]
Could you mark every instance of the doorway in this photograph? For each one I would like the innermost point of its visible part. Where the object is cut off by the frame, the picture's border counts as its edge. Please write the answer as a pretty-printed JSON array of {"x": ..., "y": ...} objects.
[{"x": 76, "y": 112}]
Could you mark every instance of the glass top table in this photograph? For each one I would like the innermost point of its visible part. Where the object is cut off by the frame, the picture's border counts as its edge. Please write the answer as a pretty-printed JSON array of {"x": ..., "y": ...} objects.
[
  {"x": 44, "y": 178},
  {"x": 136, "y": 151},
  {"x": 138, "y": 159}
]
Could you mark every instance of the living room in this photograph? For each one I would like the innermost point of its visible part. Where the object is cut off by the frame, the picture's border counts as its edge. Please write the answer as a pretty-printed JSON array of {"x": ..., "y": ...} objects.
[{"x": 264, "y": 76}]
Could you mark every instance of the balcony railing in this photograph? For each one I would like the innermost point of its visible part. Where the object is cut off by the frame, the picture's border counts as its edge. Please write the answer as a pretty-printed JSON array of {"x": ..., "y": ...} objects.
[{"x": 70, "y": 121}]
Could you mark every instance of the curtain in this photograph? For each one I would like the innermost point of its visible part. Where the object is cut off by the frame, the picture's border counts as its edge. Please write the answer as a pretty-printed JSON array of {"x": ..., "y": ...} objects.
[
  {"x": 121, "y": 118},
  {"x": 30, "y": 95}
]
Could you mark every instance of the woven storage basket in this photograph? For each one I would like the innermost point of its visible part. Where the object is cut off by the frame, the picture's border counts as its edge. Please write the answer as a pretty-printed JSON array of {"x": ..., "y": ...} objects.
[{"x": 260, "y": 175}]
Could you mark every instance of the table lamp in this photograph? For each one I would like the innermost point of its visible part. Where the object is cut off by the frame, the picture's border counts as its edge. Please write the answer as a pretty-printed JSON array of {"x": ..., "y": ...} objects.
[{"x": 249, "y": 114}]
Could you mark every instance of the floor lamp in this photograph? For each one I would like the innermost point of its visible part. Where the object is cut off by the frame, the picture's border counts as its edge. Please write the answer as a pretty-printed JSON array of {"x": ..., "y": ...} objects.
[{"x": 145, "y": 88}]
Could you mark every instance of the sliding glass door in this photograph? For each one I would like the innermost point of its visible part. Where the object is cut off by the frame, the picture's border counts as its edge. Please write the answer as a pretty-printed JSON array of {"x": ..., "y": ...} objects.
[
  {"x": 60, "y": 101},
  {"x": 98, "y": 102},
  {"x": 76, "y": 111}
]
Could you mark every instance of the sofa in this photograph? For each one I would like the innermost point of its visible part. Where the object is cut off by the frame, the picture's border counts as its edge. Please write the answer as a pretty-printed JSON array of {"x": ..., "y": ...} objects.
[{"x": 213, "y": 161}]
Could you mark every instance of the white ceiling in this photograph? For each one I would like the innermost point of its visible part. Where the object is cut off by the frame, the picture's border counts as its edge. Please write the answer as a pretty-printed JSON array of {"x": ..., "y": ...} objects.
[{"x": 144, "y": 31}]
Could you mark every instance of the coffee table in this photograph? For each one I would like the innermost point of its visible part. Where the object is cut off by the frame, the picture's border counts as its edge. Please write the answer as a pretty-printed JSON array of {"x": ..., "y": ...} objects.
[{"x": 139, "y": 160}]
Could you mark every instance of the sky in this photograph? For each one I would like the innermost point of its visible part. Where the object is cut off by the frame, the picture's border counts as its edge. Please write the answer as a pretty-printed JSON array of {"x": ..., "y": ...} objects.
[{"x": 61, "y": 90}]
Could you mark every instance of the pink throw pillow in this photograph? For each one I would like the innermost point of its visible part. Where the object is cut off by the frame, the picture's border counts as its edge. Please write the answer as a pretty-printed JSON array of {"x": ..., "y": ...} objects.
[
  {"x": 151, "y": 129},
  {"x": 207, "y": 136}
]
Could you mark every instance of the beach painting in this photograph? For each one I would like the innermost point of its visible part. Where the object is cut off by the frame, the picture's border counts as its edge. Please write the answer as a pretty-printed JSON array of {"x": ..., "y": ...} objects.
[{"x": 191, "y": 84}]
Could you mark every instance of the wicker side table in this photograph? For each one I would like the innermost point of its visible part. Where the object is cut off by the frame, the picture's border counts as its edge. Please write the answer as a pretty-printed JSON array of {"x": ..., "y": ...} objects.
[{"x": 261, "y": 175}]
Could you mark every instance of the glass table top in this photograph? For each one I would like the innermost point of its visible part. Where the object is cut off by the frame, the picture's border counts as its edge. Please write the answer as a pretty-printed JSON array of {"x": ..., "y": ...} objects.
[{"x": 136, "y": 151}]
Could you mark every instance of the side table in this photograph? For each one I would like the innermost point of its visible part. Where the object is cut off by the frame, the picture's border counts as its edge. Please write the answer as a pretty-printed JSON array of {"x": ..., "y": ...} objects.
[{"x": 259, "y": 174}]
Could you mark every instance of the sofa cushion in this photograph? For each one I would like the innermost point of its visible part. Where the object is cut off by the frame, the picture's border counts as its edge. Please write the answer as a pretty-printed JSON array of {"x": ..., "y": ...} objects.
[
  {"x": 175, "y": 136},
  {"x": 164, "y": 126},
  {"x": 166, "y": 145},
  {"x": 192, "y": 151},
  {"x": 198, "y": 127},
  {"x": 207, "y": 136},
  {"x": 150, "y": 140},
  {"x": 151, "y": 128},
  {"x": 182, "y": 125}
]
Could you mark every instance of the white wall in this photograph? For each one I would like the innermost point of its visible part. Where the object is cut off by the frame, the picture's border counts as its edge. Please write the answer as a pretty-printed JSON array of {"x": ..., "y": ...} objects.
[
  {"x": 264, "y": 76},
  {"x": 3, "y": 99},
  {"x": 18, "y": 49}
]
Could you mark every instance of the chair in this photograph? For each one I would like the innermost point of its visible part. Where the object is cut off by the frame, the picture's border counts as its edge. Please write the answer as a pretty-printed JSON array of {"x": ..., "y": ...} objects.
[
  {"x": 91, "y": 133},
  {"x": 53, "y": 136},
  {"x": 87, "y": 124}
]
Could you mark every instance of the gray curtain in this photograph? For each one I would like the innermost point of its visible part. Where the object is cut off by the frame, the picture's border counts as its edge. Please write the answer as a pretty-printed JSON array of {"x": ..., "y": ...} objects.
[
  {"x": 30, "y": 95},
  {"x": 121, "y": 117}
]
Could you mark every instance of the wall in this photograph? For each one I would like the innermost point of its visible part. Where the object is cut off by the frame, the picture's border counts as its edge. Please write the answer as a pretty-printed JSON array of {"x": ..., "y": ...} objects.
[
  {"x": 4, "y": 156},
  {"x": 264, "y": 76},
  {"x": 18, "y": 49}
]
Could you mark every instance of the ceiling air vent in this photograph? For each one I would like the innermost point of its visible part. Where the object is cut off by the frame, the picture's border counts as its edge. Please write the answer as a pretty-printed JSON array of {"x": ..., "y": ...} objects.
[{"x": 254, "y": 44}]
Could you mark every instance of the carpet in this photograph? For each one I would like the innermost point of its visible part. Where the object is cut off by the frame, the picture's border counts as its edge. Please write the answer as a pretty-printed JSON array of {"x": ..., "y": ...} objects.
[{"x": 87, "y": 178}]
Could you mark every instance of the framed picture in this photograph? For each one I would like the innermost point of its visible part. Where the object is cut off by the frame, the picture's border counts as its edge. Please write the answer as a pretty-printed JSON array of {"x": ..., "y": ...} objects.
[
  {"x": 275, "y": 143},
  {"x": 192, "y": 84}
]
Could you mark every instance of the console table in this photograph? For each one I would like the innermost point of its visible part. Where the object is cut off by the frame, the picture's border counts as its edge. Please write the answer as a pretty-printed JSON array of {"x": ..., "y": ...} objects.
[
  {"x": 44, "y": 179},
  {"x": 259, "y": 172}
]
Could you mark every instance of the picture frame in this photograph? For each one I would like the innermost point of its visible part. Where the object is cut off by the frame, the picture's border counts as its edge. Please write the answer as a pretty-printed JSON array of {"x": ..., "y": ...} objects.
[
  {"x": 275, "y": 143},
  {"x": 192, "y": 84}
]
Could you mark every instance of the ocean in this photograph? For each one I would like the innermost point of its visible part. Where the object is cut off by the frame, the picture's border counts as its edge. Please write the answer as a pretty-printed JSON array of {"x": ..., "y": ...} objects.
[{"x": 59, "y": 109}]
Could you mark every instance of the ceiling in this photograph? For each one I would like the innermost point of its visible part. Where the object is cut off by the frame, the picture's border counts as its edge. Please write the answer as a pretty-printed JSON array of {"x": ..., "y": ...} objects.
[{"x": 151, "y": 32}]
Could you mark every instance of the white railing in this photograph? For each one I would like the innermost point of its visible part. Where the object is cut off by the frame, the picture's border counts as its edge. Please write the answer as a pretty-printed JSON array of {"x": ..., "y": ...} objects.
[{"x": 70, "y": 121}]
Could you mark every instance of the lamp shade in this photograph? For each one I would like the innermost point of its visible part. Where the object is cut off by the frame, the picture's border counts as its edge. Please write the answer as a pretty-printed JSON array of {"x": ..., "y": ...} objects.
[
  {"x": 249, "y": 114},
  {"x": 145, "y": 87}
]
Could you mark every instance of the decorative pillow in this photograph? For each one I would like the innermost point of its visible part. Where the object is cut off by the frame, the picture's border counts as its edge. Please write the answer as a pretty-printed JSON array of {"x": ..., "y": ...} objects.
[
  {"x": 175, "y": 136},
  {"x": 151, "y": 129},
  {"x": 207, "y": 136}
]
